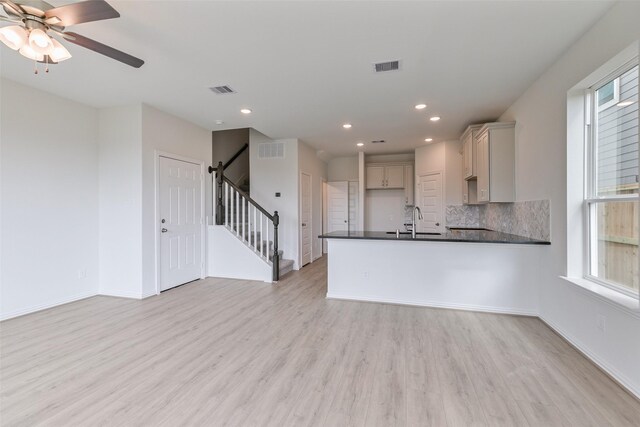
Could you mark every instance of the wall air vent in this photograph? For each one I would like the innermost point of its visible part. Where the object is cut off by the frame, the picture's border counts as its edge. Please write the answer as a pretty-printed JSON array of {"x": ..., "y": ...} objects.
[
  {"x": 378, "y": 141},
  {"x": 381, "y": 67},
  {"x": 271, "y": 150},
  {"x": 222, "y": 90}
]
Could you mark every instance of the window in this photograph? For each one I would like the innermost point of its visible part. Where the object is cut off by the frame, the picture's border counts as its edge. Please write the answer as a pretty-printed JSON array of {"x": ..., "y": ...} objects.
[
  {"x": 609, "y": 94},
  {"x": 611, "y": 200}
]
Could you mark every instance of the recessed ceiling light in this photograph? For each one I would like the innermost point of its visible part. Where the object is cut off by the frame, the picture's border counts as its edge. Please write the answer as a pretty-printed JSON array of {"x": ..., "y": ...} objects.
[
  {"x": 435, "y": 118},
  {"x": 360, "y": 144},
  {"x": 245, "y": 111},
  {"x": 421, "y": 106},
  {"x": 219, "y": 122},
  {"x": 624, "y": 103},
  {"x": 428, "y": 140},
  {"x": 347, "y": 125}
]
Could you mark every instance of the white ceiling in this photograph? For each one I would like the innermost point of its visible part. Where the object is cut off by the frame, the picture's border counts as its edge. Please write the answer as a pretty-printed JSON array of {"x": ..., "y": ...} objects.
[{"x": 305, "y": 68}]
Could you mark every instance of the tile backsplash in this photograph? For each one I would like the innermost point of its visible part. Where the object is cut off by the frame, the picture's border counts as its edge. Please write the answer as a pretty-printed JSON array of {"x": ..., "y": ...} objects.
[
  {"x": 464, "y": 215},
  {"x": 529, "y": 218}
]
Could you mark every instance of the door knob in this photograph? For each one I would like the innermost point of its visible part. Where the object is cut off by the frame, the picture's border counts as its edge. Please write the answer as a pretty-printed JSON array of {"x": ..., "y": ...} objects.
[
  {"x": 437, "y": 224},
  {"x": 164, "y": 230},
  {"x": 345, "y": 220},
  {"x": 304, "y": 225}
]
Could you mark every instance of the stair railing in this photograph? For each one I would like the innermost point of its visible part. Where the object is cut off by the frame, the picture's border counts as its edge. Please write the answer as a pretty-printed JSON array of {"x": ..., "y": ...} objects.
[{"x": 245, "y": 218}]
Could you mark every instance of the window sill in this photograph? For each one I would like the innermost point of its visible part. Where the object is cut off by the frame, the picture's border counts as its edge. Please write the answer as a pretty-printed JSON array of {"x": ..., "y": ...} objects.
[{"x": 629, "y": 304}]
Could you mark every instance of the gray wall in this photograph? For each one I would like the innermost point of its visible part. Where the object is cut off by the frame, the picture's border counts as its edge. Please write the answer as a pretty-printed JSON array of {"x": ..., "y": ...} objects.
[{"x": 225, "y": 143}]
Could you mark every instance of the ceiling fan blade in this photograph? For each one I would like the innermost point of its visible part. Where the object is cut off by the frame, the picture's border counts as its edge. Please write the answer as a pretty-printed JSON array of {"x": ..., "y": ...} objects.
[
  {"x": 17, "y": 10},
  {"x": 86, "y": 11},
  {"x": 104, "y": 49}
]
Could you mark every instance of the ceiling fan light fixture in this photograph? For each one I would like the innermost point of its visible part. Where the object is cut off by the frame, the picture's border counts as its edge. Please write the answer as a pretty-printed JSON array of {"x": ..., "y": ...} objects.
[
  {"x": 14, "y": 36},
  {"x": 28, "y": 52},
  {"x": 40, "y": 42},
  {"x": 59, "y": 52}
]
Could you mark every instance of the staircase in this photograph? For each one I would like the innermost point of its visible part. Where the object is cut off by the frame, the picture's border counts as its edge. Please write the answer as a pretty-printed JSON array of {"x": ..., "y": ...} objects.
[
  {"x": 255, "y": 241},
  {"x": 249, "y": 222}
]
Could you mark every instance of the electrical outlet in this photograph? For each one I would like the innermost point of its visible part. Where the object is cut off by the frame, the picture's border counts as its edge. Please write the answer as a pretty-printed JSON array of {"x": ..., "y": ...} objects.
[
  {"x": 82, "y": 274},
  {"x": 601, "y": 322}
]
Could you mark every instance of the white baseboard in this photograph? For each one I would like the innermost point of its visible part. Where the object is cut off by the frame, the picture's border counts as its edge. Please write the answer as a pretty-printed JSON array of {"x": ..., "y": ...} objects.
[
  {"x": 435, "y": 304},
  {"x": 40, "y": 307},
  {"x": 126, "y": 294},
  {"x": 621, "y": 379}
]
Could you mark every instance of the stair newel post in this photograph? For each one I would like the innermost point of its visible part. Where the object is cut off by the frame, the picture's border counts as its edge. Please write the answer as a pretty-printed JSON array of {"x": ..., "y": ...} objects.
[
  {"x": 276, "y": 255},
  {"x": 219, "y": 204}
]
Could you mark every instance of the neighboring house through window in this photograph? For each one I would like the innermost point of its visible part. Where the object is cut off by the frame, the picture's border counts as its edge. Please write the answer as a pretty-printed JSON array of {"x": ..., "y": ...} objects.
[
  {"x": 603, "y": 202},
  {"x": 612, "y": 180}
]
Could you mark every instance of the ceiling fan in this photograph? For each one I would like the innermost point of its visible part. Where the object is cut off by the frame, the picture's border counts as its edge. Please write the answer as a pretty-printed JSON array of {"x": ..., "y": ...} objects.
[{"x": 36, "y": 19}]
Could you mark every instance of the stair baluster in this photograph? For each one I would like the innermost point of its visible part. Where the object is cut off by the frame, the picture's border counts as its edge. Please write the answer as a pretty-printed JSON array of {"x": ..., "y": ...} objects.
[{"x": 233, "y": 210}]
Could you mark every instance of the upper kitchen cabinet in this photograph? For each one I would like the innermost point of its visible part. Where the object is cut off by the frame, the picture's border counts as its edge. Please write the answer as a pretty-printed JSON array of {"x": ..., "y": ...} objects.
[
  {"x": 495, "y": 164},
  {"x": 385, "y": 176},
  {"x": 469, "y": 152},
  {"x": 375, "y": 177}
]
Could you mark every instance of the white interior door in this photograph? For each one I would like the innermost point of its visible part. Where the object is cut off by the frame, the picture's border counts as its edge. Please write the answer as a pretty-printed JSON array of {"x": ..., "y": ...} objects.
[
  {"x": 430, "y": 203},
  {"x": 305, "y": 219},
  {"x": 181, "y": 222},
  {"x": 338, "y": 206}
]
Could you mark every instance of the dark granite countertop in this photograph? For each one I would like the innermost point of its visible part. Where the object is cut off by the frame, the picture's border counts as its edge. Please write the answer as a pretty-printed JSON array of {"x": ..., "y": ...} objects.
[{"x": 456, "y": 235}]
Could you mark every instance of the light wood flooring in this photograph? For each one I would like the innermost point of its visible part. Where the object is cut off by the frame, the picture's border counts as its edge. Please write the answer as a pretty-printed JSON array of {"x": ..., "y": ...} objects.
[{"x": 228, "y": 352}]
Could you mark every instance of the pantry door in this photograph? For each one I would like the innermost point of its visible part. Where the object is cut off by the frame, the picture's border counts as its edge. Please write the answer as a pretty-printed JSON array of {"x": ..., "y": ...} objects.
[{"x": 430, "y": 203}]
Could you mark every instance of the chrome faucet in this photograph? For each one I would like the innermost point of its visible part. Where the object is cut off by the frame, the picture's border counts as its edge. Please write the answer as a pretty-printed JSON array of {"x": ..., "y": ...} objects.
[{"x": 413, "y": 221}]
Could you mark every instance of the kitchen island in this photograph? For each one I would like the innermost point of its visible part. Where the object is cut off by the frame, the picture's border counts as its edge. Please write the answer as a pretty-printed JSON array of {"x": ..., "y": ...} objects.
[{"x": 480, "y": 270}]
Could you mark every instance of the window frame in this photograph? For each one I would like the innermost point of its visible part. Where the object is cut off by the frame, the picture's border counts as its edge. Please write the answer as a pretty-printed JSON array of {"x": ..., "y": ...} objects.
[{"x": 590, "y": 198}]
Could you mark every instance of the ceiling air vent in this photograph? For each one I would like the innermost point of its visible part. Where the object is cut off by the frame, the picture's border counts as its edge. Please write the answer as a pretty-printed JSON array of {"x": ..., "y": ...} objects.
[
  {"x": 381, "y": 67},
  {"x": 222, "y": 90},
  {"x": 271, "y": 150},
  {"x": 378, "y": 141}
]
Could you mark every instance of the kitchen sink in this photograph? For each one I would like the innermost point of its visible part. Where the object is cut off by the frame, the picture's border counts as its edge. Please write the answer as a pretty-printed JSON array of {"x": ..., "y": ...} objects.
[{"x": 418, "y": 234}]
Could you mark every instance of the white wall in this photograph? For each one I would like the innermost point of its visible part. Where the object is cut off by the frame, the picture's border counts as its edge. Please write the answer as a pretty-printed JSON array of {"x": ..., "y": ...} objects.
[
  {"x": 384, "y": 210},
  {"x": 453, "y": 172},
  {"x": 228, "y": 256},
  {"x": 269, "y": 176},
  {"x": 120, "y": 194},
  {"x": 49, "y": 229},
  {"x": 430, "y": 158},
  {"x": 445, "y": 157},
  {"x": 541, "y": 138},
  {"x": 310, "y": 163},
  {"x": 162, "y": 132},
  {"x": 343, "y": 169},
  {"x": 383, "y": 158},
  {"x": 130, "y": 138}
]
